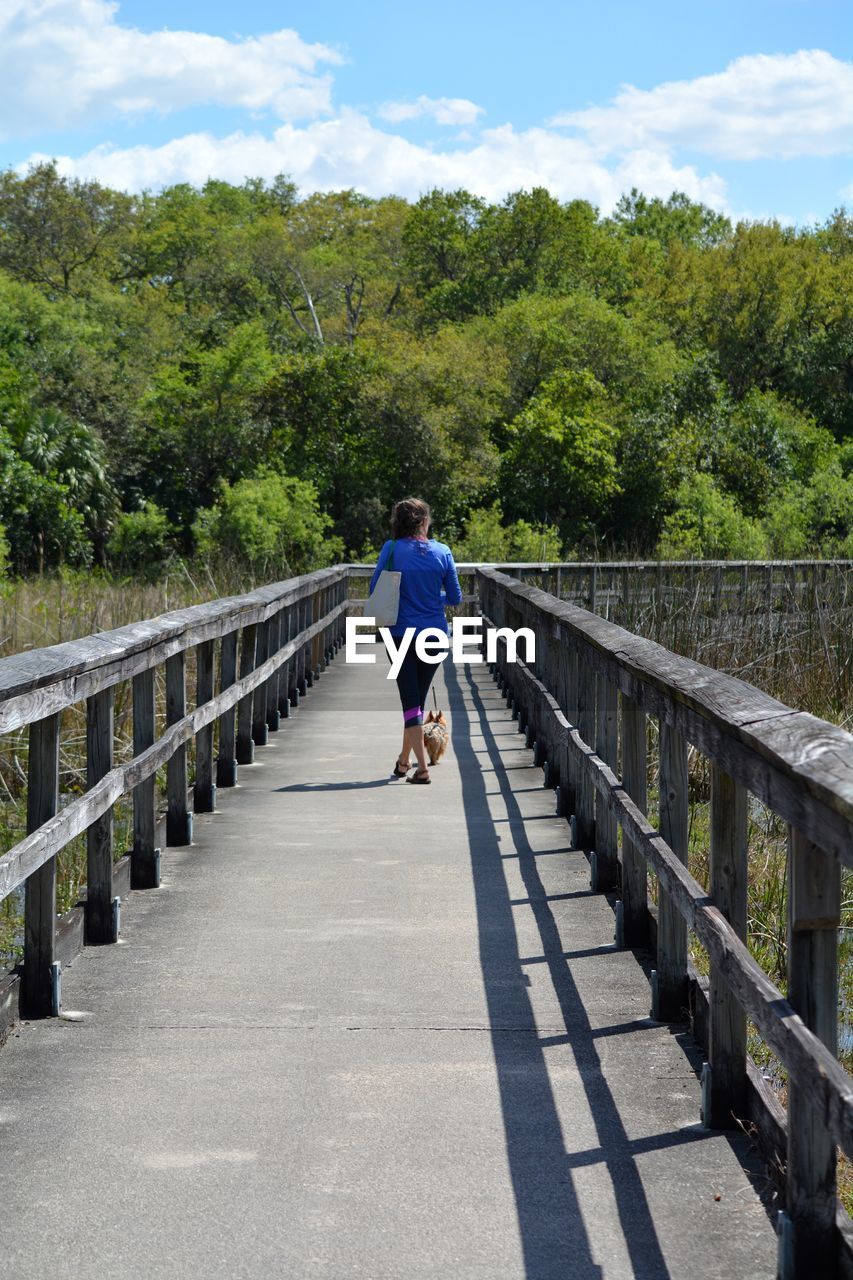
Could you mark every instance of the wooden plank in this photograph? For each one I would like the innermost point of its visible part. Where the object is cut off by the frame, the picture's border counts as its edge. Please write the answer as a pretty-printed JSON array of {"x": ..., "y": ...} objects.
[
  {"x": 814, "y": 910},
  {"x": 178, "y": 822},
  {"x": 40, "y": 894},
  {"x": 226, "y": 764},
  {"x": 100, "y": 734},
  {"x": 728, "y": 890},
  {"x": 144, "y": 863},
  {"x": 634, "y": 878},
  {"x": 204, "y": 791},
  {"x": 671, "y": 995}
]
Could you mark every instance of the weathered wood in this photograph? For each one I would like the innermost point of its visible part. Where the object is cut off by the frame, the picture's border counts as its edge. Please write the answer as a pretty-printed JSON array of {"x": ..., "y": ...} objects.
[
  {"x": 807, "y": 1059},
  {"x": 607, "y": 747},
  {"x": 260, "y": 730},
  {"x": 634, "y": 877},
  {"x": 814, "y": 911},
  {"x": 585, "y": 835},
  {"x": 800, "y": 766},
  {"x": 226, "y": 763},
  {"x": 144, "y": 868},
  {"x": 42, "y": 681},
  {"x": 728, "y": 890},
  {"x": 271, "y": 688},
  {"x": 100, "y": 733},
  {"x": 40, "y": 893},
  {"x": 178, "y": 821},
  {"x": 204, "y": 791},
  {"x": 671, "y": 1002},
  {"x": 245, "y": 742},
  {"x": 30, "y": 853}
]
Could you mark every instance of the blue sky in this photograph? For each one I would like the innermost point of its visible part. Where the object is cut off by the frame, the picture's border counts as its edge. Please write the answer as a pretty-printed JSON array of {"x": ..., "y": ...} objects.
[{"x": 748, "y": 106}]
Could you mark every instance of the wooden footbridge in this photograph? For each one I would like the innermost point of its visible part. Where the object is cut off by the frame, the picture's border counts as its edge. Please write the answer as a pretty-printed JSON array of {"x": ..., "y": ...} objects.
[{"x": 363, "y": 1029}]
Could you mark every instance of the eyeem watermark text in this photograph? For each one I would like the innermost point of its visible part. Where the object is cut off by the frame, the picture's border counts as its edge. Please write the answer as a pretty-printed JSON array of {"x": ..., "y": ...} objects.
[{"x": 433, "y": 645}]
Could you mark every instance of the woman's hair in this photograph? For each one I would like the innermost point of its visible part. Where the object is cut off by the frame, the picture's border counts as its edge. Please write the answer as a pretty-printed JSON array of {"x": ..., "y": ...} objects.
[{"x": 407, "y": 516}]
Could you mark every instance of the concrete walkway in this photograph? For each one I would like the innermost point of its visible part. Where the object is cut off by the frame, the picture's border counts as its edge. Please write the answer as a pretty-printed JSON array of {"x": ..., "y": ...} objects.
[{"x": 369, "y": 1030}]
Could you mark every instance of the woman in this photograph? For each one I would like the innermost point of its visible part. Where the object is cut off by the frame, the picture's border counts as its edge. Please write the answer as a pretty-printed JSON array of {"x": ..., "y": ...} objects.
[{"x": 428, "y": 582}]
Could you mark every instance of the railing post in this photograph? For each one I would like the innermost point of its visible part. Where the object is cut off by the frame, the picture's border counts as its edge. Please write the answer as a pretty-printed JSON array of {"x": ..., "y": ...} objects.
[
  {"x": 226, "y": 764},
  {"x": 726, "y": 1097},
  {"x": 271, "y": 687},
  {"x": 634, "y": 878},
  {"x": 144, "y": 857},
  {"x": 204, "y": 790},
  {"x": 585, "y": 808},
  {"x": 607, "y": 747},
  {"x": 302, "y": 660},
  {"x": 669, "y": 994},
  {"x": 245, "y": 745},
  {"x": 814, "y": 911},
  {"x": 260, "y": 731},
  {"x": 178, "y": 817},
  {"x": 283, "y": 677},
  {"x": 37, "y": 998},
  {"x": 100, "y": 916}
]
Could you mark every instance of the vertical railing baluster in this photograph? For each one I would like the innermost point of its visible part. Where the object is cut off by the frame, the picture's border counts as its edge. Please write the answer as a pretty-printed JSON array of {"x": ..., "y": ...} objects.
[
  {"x": 635, "y": 911},
  {"x": 245, "y": 744},
  {"x": 669, "y": 987},
  {"x": 273, "y": 715},
  {"x": 607, "y": 747},
  {"x": 145, "y": 856},
  {"x": 724, "y": 1097},
  {"x": 38, "y": 983},
  {"x": 814, "y": 915},
  {"x": 585, "y": 807},
  {"x": 284, "y": 669},
  {"x": 260, "y": 731},
  {"x": 226, "y": 763},
  {"x": 101, "y": 917},
  {"x": 178, "y": 817},
  {"x": 204, "y": 790}
]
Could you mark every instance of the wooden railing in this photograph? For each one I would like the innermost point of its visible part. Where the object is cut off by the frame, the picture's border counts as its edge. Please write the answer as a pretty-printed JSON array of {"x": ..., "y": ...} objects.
[
  {"x": 272, "y": 644},
  {"x": 584, "y": 704}
]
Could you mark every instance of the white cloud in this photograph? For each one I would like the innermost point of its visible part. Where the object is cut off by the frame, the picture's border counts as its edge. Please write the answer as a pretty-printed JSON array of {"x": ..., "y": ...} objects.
[
  {"x": 766, "y": 105},
  {"x": 66, "y": 63},
  {"x": 450, "y": 111},
  {"x": 349, "y": 151}
]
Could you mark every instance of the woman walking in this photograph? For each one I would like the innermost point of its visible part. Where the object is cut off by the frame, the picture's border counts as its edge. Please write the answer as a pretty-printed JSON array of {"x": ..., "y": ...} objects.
[{"x": 428, "y": 582}]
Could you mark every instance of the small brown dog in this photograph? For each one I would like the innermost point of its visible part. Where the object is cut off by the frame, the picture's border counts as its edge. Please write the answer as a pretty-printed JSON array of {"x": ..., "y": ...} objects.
[{"x": 436, "y": 736}]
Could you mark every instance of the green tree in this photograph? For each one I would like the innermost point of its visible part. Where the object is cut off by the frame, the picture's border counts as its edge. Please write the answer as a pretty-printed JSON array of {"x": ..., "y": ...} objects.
[
  {"x": 270, "y": 524},
  {"x": 560, "y": 466}
]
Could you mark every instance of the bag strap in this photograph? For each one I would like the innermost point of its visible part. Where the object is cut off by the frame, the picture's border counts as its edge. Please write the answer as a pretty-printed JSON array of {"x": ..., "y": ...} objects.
[{"x": 389, "y": 564}]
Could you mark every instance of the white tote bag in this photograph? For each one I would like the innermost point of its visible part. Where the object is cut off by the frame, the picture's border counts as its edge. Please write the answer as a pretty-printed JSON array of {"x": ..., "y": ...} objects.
[{"x": 383, "y": 603}]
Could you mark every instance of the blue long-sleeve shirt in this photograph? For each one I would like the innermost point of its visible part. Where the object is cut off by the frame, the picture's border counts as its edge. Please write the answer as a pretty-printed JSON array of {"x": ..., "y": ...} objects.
[{"x": 429, "y": 582}]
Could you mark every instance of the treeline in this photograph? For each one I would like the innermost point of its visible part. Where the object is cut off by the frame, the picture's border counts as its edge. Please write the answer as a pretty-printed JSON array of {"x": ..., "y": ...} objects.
[{"x": 242, "y": 372}]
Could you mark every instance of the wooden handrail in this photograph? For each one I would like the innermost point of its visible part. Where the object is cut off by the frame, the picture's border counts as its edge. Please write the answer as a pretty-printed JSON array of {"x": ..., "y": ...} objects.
[
  {"x": 286, "y": 633},
  {"x": 802, "y": 769}
]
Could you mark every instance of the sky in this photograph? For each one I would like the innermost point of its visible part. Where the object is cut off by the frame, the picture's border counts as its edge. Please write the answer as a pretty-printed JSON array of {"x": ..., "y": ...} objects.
[{"x": 747, "y": 106}]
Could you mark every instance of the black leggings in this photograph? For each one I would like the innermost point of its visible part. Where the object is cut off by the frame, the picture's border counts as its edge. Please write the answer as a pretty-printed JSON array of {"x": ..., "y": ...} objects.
[{"x": 413, "y": 680}]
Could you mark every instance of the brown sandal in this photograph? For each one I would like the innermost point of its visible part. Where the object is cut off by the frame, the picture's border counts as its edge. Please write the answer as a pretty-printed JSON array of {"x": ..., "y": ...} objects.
[
  {"x": 398, "y": 772},
  {"x": 420, "y": 778}
]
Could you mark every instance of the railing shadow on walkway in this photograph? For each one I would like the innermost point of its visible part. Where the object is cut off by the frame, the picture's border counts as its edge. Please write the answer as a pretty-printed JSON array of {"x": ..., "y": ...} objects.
[{"x": 554, "y": 1236}]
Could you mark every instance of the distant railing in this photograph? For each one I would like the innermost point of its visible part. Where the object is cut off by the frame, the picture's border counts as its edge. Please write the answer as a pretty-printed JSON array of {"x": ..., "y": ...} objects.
[
  {"x": 272, "y": 643},
  {"x": 584, "y": 704}
]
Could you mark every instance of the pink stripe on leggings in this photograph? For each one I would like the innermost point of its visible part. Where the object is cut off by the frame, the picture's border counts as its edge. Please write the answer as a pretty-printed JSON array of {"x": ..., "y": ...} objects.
[{"x": 411, "y": 714}]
